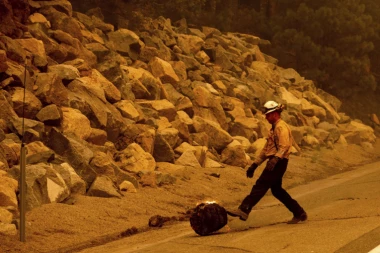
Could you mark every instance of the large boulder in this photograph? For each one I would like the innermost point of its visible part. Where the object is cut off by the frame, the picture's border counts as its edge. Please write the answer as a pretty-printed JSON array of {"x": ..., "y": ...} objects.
[
  {"x": 71, "y": 48},
  {"x": 36, "y": 49},
  {"x": 7, "y": 112},
  {"x": 331, "y": 115},
  {"x": 163, "y": 107},
  {"x": 50, "y": 114},
  {"x": 188, "y": 158},
  {"x": 62, "y": 21},
  {"x": 62, "y": 6},
  {"x": 49, "y": 89},
  {"x": 75, "y": 183},
  {"x": 73, "y": 121},
  {"x": 103, "y": 187},
  {"x": 151, "y": 86},
  {"x": 190, "y": 44},
  {"x": 135, "y": 159},
  {"x": 246, "y": 127},
  {"x": 218, "y": 138},
  {"x": 64, "y": 71},
  {"x": 13, "y": 13},
  {"x": 128, "y": 110},
  {"x": 163, "y": 151},
  {"x": 126, "y": 42},
  {"x": 208, "y": 106},
  {"x": 90, "y": 99},
  {"x": 312, "y": 110},
  {"x": 14, "y": 50},
  {"x": 104, "y": 165},
  {"x": 37, "y": 152},
  {"x": 75, "y": 150},
  {"x": 111, "y": 92},
  {"x": 333, "y": 130},
  {"x": 43, "y": 184},
  {"x": 8, "y": 189},
  {"x": 356, "y": 132},
  {"x": 25, "y": 103},
  {"x": 15, "y": 74},
  {"x": 163, "y": 70}
]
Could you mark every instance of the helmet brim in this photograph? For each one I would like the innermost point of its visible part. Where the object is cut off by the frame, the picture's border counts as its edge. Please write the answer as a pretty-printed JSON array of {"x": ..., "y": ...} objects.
[{"x": 271, "y": 110}]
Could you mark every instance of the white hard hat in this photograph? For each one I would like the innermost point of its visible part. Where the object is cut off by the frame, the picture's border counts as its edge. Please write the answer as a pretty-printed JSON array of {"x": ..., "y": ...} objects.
[{"x": 271, "y": 106}]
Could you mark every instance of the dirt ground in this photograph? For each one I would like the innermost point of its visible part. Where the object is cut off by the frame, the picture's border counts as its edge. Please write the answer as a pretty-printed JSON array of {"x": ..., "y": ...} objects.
[{"x": 92, "y": 221}]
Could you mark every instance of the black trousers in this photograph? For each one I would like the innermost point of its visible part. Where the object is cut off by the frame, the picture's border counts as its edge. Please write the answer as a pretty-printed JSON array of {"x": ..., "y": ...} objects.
[{"x": 271, "y": 180}]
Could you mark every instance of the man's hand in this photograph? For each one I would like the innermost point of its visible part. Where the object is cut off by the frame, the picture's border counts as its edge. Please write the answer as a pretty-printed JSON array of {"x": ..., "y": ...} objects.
[
  {"x": 272, "y": 163},
  {"x": 251, "y": 170}
]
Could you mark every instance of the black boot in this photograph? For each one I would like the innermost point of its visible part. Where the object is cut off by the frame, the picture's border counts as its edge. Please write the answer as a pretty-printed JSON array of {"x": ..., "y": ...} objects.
[
  {"x": 298, "y": 218},
  {"x": 238, "y": 213}
]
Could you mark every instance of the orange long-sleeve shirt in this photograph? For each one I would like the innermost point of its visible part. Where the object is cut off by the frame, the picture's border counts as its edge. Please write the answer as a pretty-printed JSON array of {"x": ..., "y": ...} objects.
[{"x": 279, "y": 142}]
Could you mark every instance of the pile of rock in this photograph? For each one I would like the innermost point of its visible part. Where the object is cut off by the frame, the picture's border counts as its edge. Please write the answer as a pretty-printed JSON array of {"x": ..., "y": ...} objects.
[{"x": 104, "y": 109}]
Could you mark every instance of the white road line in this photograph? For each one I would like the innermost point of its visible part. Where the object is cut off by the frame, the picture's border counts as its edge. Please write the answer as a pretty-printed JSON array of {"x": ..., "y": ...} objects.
[{"x": 375, "y": 250}]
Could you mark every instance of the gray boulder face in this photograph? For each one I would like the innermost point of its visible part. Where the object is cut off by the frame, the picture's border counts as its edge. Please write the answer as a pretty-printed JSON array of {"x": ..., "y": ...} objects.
[
  {"x": 235, "y": 156},
  {"x": 126, "y": 42},
  {"x": 11, "y": 24},
  {"x": 163, "y": 151},
  {"x": 75, "y": 183},
  {"x": 163, "y": 70},
  {"x": 333, "y": 131},
  {"x": 94, "y": 106},
  {"x": 2, "y": 135},
  {"x": 27, "y": 106},
  {"x": 218, "y": 138},
  {"x": 15, "y": 51},
  {"x": 43, "y": 184},
  {"x": 64, "y": 71},
  {"x": 163, "y": 107},
  {"x": 49, "y": 89},
  {"x": 111, "y": 92},
  {"x": 36, "y": 50},
  {"x": 7, "y": 112},
  {"x": 8, "y": 156},
  {"x": 77, "y": 153},
  {"x": 103, "y": 187},
  {"x": 8, "y": 189},
  {"x": 356, "y": 132},
  {"x": 3, "y": 65},
  {"x": 104, "y": 165},
  {"x": 50, "y": 115},
  {"x": 188, "y": 158},
  {"x": 135, "y": 159},
  {"x": 37, "y": 152}
]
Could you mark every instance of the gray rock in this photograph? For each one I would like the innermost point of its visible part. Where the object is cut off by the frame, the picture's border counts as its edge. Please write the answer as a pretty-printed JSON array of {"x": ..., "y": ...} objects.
[{"x": 103, "y": 187}]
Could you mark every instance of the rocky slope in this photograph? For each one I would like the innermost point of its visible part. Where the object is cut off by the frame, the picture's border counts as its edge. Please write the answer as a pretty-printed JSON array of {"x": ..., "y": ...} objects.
[{"x": 100, "y": 109}]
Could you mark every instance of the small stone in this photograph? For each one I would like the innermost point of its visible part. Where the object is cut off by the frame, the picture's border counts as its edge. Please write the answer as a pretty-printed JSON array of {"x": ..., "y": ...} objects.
[{"x": 217, "y": 175}]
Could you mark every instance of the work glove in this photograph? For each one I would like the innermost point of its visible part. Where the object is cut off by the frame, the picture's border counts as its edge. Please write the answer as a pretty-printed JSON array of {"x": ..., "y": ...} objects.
[
  {"x": 251, "y": 170},
  {"x": 272, "y": 163}
]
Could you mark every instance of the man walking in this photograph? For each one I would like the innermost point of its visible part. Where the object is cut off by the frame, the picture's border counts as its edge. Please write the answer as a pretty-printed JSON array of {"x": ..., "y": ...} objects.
[{"x": 277, "y": 151}]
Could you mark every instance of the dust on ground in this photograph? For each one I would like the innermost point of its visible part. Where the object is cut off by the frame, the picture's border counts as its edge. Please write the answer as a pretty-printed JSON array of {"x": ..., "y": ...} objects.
[{"x": 91, "y": 221}]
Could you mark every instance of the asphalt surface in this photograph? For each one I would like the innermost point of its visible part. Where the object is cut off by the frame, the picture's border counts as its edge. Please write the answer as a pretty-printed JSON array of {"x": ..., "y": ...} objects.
[{"x": 344, "y": 217}]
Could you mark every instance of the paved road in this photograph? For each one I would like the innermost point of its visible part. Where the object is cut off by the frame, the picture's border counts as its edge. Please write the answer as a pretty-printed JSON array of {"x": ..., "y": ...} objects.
[{"x": 344, "y": 217}]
